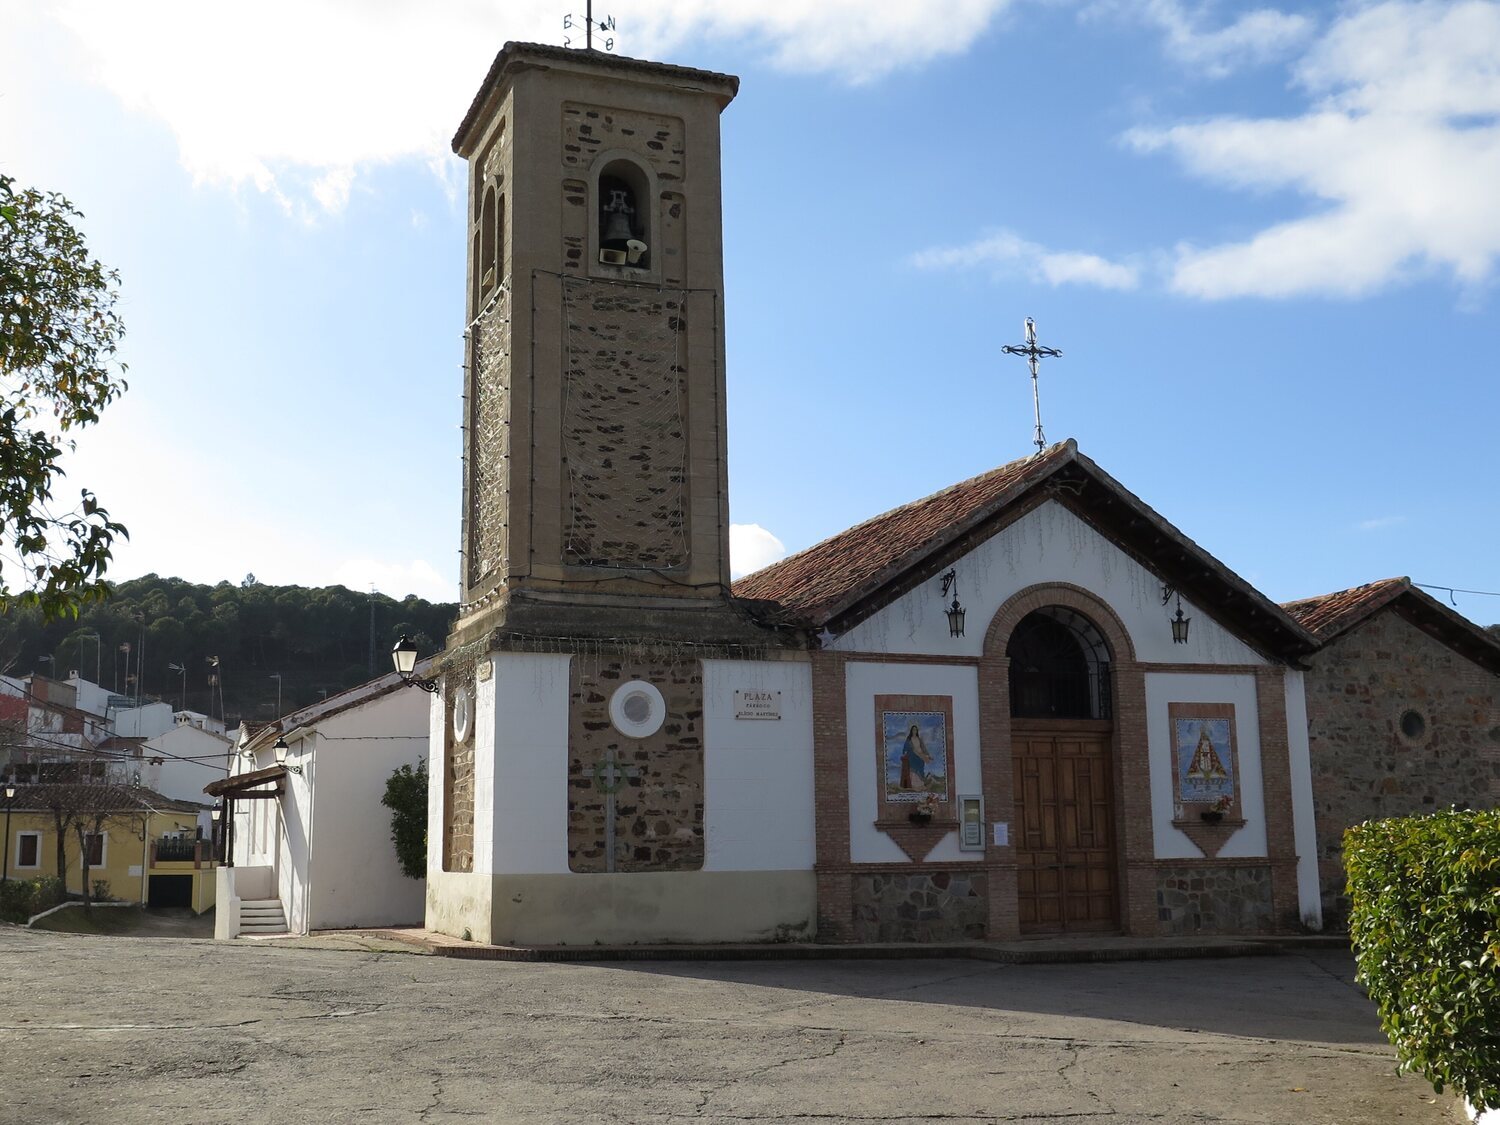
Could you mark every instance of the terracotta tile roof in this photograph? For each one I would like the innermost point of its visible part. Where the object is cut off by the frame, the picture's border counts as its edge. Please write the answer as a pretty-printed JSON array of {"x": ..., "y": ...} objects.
[
  {"x": 843, "y": 579},
  {"x": 815, "y": 583},
  {"x": 1328, "y": 615},
  {"x": 99, "y": 797}
]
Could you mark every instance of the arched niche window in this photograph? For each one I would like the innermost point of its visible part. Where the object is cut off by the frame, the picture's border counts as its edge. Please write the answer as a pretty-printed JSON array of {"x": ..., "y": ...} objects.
[
  {"x": 488, "y": 265},
  {"x": 1059, "y": 667},
  {"x": 624, "y": 203}
]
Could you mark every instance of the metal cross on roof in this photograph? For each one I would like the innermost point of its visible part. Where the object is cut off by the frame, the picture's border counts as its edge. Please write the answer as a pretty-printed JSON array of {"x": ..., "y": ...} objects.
[{"x": 1033, "y": 352}]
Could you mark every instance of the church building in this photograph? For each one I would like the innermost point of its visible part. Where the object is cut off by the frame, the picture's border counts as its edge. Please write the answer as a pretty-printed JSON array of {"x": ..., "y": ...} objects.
[{"x": 1026, "y": 704}]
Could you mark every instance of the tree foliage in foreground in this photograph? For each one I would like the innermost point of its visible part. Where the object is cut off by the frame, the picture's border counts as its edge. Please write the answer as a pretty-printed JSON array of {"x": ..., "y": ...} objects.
[
  {"x": 58, "y": 336},
  {"x": 406, "y": 797},
  {"x": 1425, "y": 923}
]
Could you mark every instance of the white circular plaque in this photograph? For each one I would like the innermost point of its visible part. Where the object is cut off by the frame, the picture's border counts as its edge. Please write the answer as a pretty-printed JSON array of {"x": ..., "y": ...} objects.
[
  {"x": 637, "y": 709},
  {"x": 461, "y": 714}
]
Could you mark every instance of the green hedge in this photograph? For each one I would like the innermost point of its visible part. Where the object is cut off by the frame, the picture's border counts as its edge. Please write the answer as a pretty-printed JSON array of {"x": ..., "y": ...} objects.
[
  {"x": 1425, "y": 923},
  {"x": 20, "y": 899}
]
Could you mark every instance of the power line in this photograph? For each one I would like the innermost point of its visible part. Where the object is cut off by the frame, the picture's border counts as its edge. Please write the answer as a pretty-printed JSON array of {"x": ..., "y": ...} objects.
[{"x": 1451, "y": 590}]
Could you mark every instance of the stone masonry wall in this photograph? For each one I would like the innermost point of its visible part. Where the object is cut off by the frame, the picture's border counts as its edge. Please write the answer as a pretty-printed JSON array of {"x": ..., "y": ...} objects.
[
  {"x": 656, "y": 138},
  {"x": 921, "y": 906},
  {"x": 458, "y": 778},
  {"x": 623, "y": 428},
  {"x": 1214, "y": 900},
  {"x": 489, "y": 441},
  {"x": 659, "y": 807},
  {"x": 1364, "y": 767}
]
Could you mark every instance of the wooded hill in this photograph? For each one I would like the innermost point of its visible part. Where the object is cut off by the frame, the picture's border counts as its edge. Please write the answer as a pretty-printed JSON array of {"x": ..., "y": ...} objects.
[{"x": 317, "y": 639}]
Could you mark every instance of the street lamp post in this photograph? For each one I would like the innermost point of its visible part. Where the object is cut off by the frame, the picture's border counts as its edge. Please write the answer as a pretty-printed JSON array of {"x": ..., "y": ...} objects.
[{"x": 10, "y": 799}]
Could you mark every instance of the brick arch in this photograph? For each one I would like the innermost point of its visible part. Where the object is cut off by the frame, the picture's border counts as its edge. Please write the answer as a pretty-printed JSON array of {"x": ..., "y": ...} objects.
[
  {"x": 1043, "y": 594},
  {"x": 1131, "y": 761}
]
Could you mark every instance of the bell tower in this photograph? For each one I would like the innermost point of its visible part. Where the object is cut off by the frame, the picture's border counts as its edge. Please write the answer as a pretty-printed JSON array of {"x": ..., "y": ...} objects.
[{"x": 595, "y": 454}]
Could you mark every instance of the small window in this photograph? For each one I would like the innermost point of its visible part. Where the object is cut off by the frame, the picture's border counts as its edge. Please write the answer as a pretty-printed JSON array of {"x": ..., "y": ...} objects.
[
  {"x": 93, "y": 848},
  {"x": 28, "y": 849},
  {"x": 1413, "y": 726}
]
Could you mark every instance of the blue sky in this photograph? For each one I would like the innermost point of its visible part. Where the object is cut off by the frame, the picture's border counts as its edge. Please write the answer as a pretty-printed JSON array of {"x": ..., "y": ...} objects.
[{"x": 1265, "y": 239}]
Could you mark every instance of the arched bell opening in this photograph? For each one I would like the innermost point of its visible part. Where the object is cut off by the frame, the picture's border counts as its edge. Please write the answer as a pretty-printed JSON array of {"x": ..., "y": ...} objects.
[
  {"x": 1059, "y": 667},
  {"x": 624, "y": 206},
  {"x": 488, "y": 265}
]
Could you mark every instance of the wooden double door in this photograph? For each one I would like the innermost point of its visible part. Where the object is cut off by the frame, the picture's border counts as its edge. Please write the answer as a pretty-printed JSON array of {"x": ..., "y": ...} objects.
[{"x": 1067, "y": 870}]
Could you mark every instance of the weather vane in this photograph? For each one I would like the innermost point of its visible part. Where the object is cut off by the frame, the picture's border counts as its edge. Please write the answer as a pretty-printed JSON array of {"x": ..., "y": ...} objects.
[
  {"x": 1033, "y": 352},
  {"x": 590, "y": 25}
]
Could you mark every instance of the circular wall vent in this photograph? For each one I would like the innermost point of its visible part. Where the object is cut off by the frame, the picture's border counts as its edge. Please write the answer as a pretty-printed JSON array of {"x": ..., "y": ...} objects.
[
  {"x": 1413, "y": 726},
  {"x": 637, "y": 709}
]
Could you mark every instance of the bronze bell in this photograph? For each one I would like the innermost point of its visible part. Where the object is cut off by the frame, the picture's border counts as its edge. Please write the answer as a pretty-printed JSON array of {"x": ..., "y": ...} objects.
[{"x": 617, "y": 220}]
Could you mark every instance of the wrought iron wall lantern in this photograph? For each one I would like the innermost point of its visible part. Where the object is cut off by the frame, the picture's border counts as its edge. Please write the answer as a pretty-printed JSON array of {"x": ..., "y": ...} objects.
[
  {"x": 1179, "y": 622},
  {"x": 955, "y": 612},
  {"x": 281, "y": 748},
  {"x": 404, "y": 656}
]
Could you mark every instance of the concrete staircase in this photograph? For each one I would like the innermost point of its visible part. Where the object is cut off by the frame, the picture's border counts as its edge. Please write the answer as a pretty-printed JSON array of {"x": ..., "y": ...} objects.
[{"x": 262, "y": 916}]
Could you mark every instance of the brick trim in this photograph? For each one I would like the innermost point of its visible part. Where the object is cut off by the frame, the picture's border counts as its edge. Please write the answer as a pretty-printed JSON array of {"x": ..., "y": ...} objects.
[
  {"x": 1276, "y": 777},
  {"x": 831, "y": 797},
  {"x": 1204, "y": 669},
  {"x": 865, "y": 657}
]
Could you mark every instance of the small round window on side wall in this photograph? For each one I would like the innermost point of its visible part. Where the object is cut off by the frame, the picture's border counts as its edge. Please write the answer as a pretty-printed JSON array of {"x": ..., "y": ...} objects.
[
  {"x": 1413, "y": 726},
  {"x": 637, "y": 709}
]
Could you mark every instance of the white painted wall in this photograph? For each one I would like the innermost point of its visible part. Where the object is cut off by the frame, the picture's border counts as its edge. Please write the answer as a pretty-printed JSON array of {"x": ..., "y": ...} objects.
[
  {"x": 1304, "y": 825},
  {"x": 758, "y": 773},
  {"x": 1048, "y": 544},
  {"x": 144, "y": 722},
  {"x": 522, "y": 736},
  {"x": 1163, "y": 688},
  {"x": 436, "y": 763},
  {"x": 355, "y": 879},
  {"x": 863, "y": 682},
  {"x": 191, "y": 758}
]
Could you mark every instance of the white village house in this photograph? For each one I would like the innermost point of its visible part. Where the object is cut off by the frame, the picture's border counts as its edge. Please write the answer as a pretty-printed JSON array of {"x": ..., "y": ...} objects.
[
  {"x": 308, "y": 841},
  {"x": 1025, "y": 704}
]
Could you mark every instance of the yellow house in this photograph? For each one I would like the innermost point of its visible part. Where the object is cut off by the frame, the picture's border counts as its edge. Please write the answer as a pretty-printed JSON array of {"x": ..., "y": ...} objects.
[{"x": 143, "y": 845}]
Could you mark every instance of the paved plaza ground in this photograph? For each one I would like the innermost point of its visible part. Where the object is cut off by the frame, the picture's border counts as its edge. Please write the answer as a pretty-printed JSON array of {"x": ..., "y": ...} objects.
[{"x": 156, "y": 1029}]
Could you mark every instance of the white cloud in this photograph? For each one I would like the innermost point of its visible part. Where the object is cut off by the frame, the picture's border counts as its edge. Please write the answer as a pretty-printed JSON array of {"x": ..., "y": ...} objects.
[
  {"x": 294, "y": 97},
  {"x": 858, "y": 40},
  {"x": 1401, "y": 147},
  {"x": 1007, "y": 252},
  {"x": 1257, "y": 36},
  {"x": 751, "y": 548},
  {"x": 1380, "y": 522}
]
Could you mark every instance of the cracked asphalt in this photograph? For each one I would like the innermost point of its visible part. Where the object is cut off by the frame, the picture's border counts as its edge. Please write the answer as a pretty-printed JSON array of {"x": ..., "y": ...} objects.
[{"x": 126, "y": 1030}]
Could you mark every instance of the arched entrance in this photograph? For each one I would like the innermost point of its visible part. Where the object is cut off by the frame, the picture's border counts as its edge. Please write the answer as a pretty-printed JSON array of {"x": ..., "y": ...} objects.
[{"x": 1061, "y": 702}]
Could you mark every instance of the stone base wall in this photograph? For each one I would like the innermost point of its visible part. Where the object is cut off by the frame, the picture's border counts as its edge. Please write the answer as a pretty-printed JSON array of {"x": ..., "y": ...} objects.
[
  {"x": 1214, "y": 900},
  {"x": 924, "y": 907},
  {"x": 1364, "y": 766},
  {"x": 658, "y": 808}
]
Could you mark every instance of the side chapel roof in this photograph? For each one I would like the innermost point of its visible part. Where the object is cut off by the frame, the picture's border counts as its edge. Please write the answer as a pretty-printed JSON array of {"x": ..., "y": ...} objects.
[
  {"x": 846, "y": 578},
  {"x": 1330, "y": 616}
]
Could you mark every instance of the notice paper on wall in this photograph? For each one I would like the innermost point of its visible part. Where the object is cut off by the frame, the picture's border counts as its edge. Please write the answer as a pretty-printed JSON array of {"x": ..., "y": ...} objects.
[{"x": 1002, "y": 833}]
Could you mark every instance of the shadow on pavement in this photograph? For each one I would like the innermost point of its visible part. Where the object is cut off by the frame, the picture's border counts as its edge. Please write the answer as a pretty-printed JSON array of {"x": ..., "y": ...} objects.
[{"x": 1307, "y": 997}]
